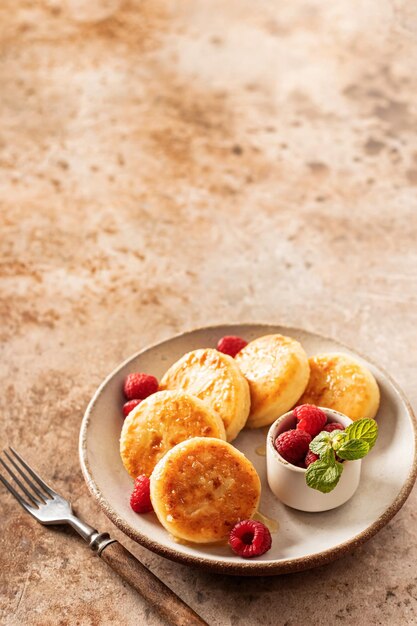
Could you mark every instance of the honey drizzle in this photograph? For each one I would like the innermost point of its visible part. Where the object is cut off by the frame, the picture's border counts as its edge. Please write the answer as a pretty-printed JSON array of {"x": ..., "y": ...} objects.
[
  {"x": 191, "y": 544},
  {"x": 269, "y": 522}
]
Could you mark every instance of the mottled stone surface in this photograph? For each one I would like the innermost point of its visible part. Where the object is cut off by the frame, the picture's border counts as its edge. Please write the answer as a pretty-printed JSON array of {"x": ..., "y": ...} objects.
[{"x": 185, "y": 163}]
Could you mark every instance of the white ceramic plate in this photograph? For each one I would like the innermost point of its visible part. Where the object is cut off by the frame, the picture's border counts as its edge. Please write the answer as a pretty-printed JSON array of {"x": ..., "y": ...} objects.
[{"x": 303, "y": 540}]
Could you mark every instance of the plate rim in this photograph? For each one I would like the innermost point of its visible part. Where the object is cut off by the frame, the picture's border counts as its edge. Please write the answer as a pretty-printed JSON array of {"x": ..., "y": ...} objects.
[{"x": 247, "y": 568}]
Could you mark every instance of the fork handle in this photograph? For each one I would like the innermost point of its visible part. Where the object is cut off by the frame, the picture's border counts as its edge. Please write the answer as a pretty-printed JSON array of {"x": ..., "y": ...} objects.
[{"x": 165, "y": 601}]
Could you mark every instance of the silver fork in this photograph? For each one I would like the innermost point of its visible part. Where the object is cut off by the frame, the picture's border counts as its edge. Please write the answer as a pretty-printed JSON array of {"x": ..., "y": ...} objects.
[{"x": 48, "y": 507}]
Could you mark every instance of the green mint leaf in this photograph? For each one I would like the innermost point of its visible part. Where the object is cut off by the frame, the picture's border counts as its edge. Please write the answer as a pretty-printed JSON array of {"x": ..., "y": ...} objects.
[
  {"x": 321, "y": 443},
  {"x": 353, "y": 449},
  {"x": 338, "y": 437},
  {"x": 328, "y": 456},
  {"x": 323, "y": 475},
  {"x": 365, "y": 430}
]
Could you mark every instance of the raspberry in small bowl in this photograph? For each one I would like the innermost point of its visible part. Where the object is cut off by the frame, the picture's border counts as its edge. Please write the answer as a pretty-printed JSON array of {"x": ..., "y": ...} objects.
[{"x": 286, "y": 452}]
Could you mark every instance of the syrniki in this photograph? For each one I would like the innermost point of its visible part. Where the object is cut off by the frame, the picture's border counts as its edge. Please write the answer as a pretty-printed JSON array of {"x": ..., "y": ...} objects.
[
  {"x": 161, "y": 421},
  {"x": 201, "y": 488},
  {"x": 277, "y": 370},
  {"x": 339, "y": 382},
  {"x": 215, "y": 378}
]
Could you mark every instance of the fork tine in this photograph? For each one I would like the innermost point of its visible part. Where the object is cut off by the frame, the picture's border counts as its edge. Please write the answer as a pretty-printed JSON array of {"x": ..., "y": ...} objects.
[
  {"x": 43, "y": 497},
  {"x": 14, "y": 493},
  {"x": 34, "y": 475},
  {"x": 21, "y": 485}
]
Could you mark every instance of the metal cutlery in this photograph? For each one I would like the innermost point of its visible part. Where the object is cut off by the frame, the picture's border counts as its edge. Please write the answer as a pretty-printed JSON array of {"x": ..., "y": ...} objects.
[{"x": 48, "y": 507}]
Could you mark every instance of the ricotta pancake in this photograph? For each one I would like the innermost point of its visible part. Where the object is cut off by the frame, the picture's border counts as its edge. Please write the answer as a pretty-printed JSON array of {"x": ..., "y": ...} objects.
[
  {"x": 201, "y": 488},
  {"x": 277, "y": 370},
  {"x": 159, "y": 423},
  {"x": 339, "y": 382},
  {"x": 215, "y": 378}
]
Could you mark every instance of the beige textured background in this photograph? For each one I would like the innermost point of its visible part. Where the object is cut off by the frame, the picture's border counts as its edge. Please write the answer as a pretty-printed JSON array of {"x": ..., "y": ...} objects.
[{"x": 185, "y": 163}]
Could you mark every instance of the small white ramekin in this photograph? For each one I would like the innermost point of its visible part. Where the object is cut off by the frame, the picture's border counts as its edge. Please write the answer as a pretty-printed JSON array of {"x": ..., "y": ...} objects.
[{"x": 288, "y": 482}]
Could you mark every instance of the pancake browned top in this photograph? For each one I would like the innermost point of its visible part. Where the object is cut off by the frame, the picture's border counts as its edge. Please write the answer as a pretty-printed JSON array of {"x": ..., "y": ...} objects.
[
  {"x": 339, "y": 382},
  {"x": 161, "y": 421},
  {"x": 202, "y": 488},
  {"x": 276, "y": 368},
  {"x": 215, "y": 378}
]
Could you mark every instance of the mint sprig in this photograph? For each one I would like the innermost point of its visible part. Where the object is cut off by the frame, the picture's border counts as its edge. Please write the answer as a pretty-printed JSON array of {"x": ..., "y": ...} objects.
[
  {"x": 353, "y": 449},
  {"x": 338, "y": 438},
  {"x": 324, "y": 474},
  {"x": 365, "y": 430},
  {"x": 321, "y": 443},
  {"x": 351, "y": 444}
]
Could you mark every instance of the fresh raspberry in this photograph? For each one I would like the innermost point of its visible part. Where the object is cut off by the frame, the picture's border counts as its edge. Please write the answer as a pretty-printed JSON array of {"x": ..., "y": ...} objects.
[
  {"x": 140, "y": 500},
  {"x": 301, "y": 464},
  {"x": 292, "y": 445},
  {"x": 139, "y": 386},
  {"x": 329, "y": 428},
  {"x": 231, "y": 345},
  {"x": 310, "y": 458},
  {"x": 250, "y": 538},
  {"x": 129, "y": 406},
  {"x": 310, "y": 418}
]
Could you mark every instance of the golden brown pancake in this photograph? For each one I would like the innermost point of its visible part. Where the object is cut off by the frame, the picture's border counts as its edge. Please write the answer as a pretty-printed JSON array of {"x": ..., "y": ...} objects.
[
  {"x": 215, "y": 378},
  {"x": 339, "y": 382},
  {"x": 161, "y": 421},
  {"x": 201, "y": 488},
  {"x": 277, "y": 370}
]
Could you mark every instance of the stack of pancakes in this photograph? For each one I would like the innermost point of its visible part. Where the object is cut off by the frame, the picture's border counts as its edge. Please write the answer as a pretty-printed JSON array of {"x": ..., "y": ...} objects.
[{"x": 201, "y": 486}]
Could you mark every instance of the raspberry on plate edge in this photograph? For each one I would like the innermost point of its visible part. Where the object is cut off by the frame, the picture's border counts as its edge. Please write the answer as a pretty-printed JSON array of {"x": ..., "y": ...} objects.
[
  {"x": 138, "y": 385},
  {"x": 250, "y": 538},
  {"x": 231, "y": 345},
  {"x": 129, "y": 406},
  {"x": 140, "y": 500}
]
